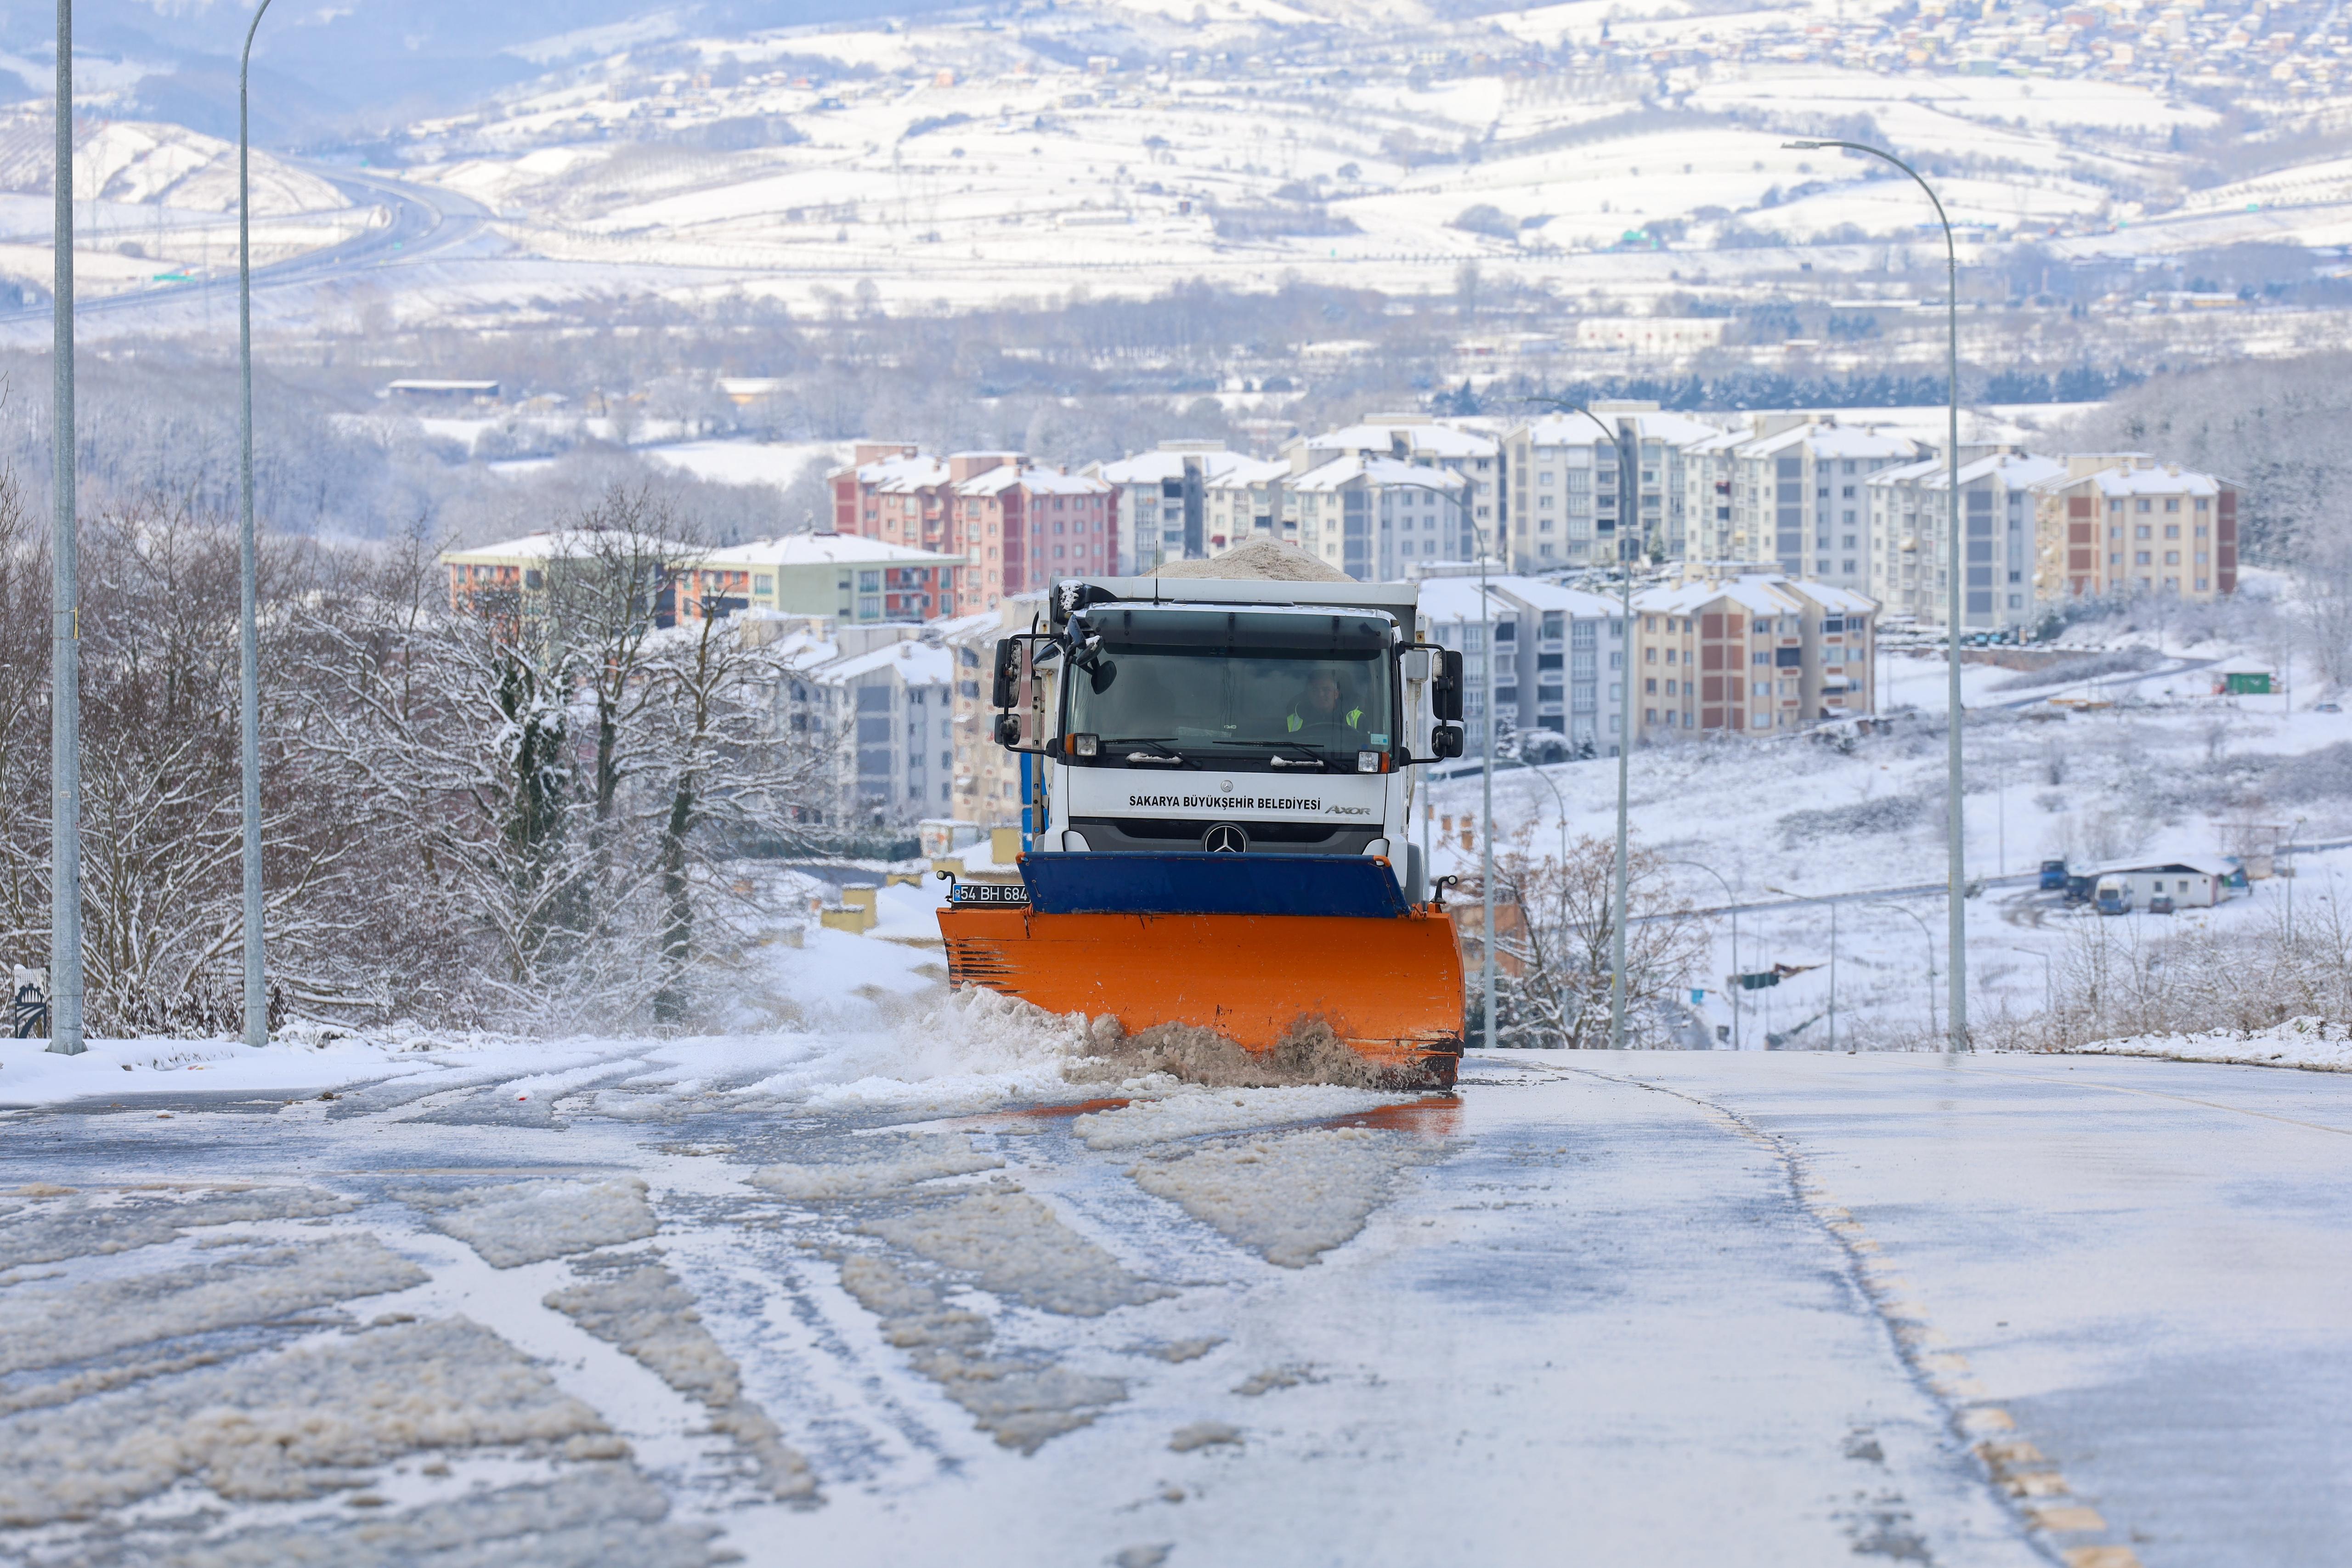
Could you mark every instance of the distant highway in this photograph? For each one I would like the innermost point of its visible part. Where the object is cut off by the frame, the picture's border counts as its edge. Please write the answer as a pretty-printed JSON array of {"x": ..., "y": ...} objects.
[{"x": 422, "y": 224}]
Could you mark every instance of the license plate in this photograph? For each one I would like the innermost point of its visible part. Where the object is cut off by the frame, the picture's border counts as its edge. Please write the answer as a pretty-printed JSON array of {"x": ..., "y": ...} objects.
[{"x": 988, "y": 893}]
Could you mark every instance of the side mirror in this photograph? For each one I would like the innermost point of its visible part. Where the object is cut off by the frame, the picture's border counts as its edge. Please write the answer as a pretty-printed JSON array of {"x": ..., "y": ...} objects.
[
  {"x": 1445, "y": 691},
  {"x": 1446, "y": 741},
  {"x": 1008, "y": 673},
  {"x": 1021, "y": 688}
]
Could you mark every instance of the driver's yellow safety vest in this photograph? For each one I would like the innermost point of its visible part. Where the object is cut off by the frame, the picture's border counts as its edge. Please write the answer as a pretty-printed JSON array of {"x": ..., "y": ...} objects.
[{"x": 1353, "y": 718}]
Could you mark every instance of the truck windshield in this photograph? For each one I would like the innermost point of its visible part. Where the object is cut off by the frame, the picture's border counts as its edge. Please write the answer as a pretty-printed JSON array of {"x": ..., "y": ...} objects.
[{"x": 1239, "y": 687}]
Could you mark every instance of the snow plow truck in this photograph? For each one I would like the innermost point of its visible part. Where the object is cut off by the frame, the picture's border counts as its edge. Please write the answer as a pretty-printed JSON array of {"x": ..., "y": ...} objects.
[{"x": 1218, "y": 777}]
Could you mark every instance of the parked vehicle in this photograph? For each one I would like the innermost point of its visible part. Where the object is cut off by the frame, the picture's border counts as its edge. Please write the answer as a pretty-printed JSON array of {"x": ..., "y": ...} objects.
[
  {"x": 2159, "y": 904},
  {"x": 2327, "y": 708},
  {"x": 2054, "y": 875},
  {"x": 2078, "y": 888},
  {"x": 2112, "y": 896}
]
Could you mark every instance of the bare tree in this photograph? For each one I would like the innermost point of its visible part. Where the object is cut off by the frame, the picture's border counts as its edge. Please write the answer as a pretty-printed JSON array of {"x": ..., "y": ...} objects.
[{"x": 1564, "y": 942}]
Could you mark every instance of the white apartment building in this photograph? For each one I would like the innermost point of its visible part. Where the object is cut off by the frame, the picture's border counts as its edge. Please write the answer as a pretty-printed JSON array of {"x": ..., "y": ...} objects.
[
  {"x": 1423, "y": 439},
  {"x": 1565, "y": 488},
  {"x": 1557, "y": 656},
  {"x": 1375, "y": 518},
  {"x": 888, "y": 691},
  {"x": 1244, "y": 500},
  {"x": 1798, "y": 499},
  {"x": 1910, "y": 559},
  {"x": 1165, "y": 508}
]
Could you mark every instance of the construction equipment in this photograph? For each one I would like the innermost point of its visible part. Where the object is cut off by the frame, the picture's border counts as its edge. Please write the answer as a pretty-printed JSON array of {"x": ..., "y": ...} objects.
[{"x": 1220, "y": 777}]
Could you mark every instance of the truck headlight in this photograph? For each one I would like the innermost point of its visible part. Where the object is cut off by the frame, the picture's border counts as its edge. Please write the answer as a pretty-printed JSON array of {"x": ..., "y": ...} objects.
[
  {"x": 1085, "y": 745},
  {"x": 1368, "y": 761}
]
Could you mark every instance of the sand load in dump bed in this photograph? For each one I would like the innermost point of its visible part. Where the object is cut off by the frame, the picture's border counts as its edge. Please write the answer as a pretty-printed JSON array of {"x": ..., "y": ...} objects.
[{"x": 1263, "y": 560}]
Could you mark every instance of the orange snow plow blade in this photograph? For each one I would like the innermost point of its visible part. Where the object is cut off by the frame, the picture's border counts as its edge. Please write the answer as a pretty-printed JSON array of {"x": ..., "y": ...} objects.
[{"x": 1391, "y": 988}]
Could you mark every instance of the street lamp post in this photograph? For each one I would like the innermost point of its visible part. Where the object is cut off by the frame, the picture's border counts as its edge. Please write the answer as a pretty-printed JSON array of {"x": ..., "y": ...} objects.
[
  {"x": 1832, "y": 902},
  {"x": 1731, "y": 904},
  {"x": 1486, "y": 778},
  {"x": 1930, "y": 941},
  {"x": 257, "y": 989},
  {"x": 1628, "y": 510},
  {"x": 1957, "y": 870},
  {"x": 2290, "y": 882},
  {"x": 64, "y": 606}
]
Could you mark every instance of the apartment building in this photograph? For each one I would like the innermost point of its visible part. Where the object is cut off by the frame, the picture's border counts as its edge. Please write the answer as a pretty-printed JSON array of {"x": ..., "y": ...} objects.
[
  {"x": 1752, "y": 655},
  {"x": 885, "y": 693},
  {"x": 1021, "y": 527},
  {"x": 1247, "y": 499},
  {"x": 1557, "y": 655},
  {"x": 986, "y": 777},
  {"x": 1565, "y": 491},
  {"x": 857, "y": 581},
  {"x": 1798, "y": 499},
  {"x": 510, "y": 577},
  {"x": 1161, "y": 501},
  {"x": 1910, "y": 538},
  {"x": 2122, "y": 523},
  {"x": 1428, "y": 442},
  {"x": 1373, "y": 518}
]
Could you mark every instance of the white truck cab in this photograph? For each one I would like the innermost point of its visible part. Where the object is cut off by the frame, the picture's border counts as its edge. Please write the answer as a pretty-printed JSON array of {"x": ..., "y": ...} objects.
[{"x": 1229, "y": 716}]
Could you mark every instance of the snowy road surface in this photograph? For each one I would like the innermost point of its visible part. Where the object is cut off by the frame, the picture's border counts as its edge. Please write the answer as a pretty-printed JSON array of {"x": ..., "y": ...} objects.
[{"x": 663, "y": 1305}]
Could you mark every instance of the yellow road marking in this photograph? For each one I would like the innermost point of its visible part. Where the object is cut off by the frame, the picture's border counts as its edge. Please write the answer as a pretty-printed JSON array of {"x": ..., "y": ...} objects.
[
  {"x": 2100, "y": 1557},
  {"x": 2069, "y": 1517}
]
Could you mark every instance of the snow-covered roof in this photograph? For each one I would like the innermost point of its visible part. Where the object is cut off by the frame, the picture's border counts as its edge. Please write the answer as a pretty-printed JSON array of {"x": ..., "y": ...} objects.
[
  {"x": 1830, "y": 441},
  {"x": 1762, "y": 595},
  {"x": 1654, "y": 425},
  {"x": 1830, "y": 598},
  {"x": 1036, "y": 481},
  {"x": 567, "y": 544},
  {"x": 2017, "y": 470},
  {"x": 916, "y": 663},
  {"x": 1341, "y": 471},
  {"x": 824, "y": 550},
  {"x": 1158, "y": 466},
  {"x": 1241, "y": 472},
  {"x": 1455, "y": 598},
  {"x": 903, "y": 476},
  {"x": 1436, "y": 440},
  {"x": 2121, "y": 481}
]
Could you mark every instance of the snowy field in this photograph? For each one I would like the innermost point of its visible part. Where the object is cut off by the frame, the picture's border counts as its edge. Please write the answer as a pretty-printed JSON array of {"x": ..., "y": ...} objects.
[
  {"x": 909, "y": 1284},
  {"x": 1795, "y": 829}
]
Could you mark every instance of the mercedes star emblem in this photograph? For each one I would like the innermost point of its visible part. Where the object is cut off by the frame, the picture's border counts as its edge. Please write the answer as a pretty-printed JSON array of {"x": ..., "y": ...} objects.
[{"x": 1226, "y": 838}]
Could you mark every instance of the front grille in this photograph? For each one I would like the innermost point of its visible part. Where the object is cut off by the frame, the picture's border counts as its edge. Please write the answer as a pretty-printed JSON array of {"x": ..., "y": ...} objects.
[{"x": 1160, "y": 834}]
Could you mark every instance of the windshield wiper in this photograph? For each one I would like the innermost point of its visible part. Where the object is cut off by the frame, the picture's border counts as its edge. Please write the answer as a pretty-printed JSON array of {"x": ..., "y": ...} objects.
[
  {"x": 1158, "y": 753},
  {"x": 1313, "y": 758}
]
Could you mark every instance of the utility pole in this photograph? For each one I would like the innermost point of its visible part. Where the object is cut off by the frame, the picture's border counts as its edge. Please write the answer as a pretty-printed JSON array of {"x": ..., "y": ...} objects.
[
  {"x": 1486, "y": 775},
  {"x": 256, "y": 988},
  {"x": 1956, "y": 1005},
  {"x": 1626, "y": 438},
  {"x": 65, "y": 614},
  {"x": 1628, "y": 504}
]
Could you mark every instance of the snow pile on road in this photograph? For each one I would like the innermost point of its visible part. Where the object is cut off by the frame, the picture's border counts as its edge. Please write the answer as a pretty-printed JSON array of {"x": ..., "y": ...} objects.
[
  {"x": 530, "y": 1222},
  {"x": 57, "y": 1223},
  {"x": 58, "y": 1325},
  {"x": 651, "y": 1318},
  {"x": 913, "y": 1159},
  {"x": 2320, "y": 1043},
  {"x": 1287, "y": 1198},
  {"x": 289, "y": 1425},
  {"x": 969, "y": 1050},
  {"x": 1309, "y": 1053},
  {"x": 1192, "y": 1112},
  {"x": 1017, "y": 1248},
  {"x": 592, "y": 1517},
  {"x": 1020, "y": 1402}
]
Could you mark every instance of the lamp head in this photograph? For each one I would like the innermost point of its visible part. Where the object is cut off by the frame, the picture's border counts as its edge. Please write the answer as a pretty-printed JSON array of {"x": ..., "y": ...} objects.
[{"x": 1803, "y": 146}]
